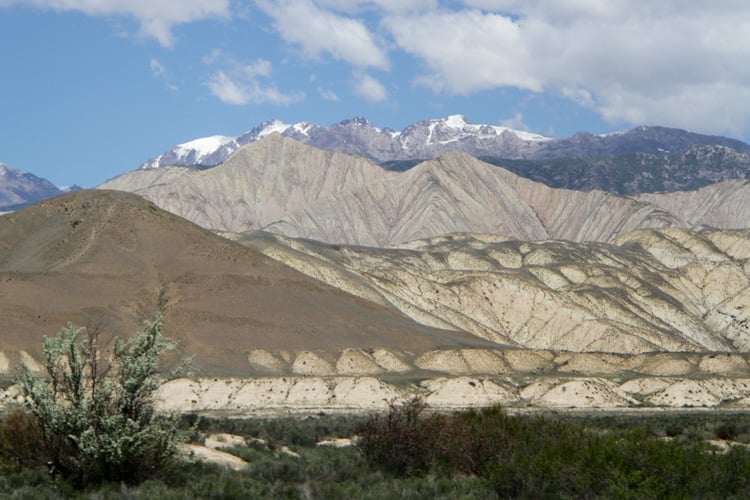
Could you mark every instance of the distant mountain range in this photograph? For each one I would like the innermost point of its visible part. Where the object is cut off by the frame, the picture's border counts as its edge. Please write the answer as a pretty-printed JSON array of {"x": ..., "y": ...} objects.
[
  {"x": 280, "y": 185},
  {"x": 641, "y": 160},
  {"x": 428, "y": 138},
  {"x": 644, "y": 159},
  {"x": 630, "y": 173}
]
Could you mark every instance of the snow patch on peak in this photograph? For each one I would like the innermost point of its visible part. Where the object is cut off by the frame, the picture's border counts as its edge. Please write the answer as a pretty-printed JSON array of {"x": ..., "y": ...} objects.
[
  {"x": 302, "y": 128},
  {"x": 273, "y": 126},
  {"x": 456, "y": 121},
  {"x": 206, "y": 145},
  {"x": 522, "y": 134},
  {"x": 616, "y": 132}
]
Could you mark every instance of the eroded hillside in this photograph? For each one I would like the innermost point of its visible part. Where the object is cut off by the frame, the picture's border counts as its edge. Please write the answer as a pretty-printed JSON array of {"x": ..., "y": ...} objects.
[
  {"x": 280, "y": 185},
  {"x": 652, "y": 290}
]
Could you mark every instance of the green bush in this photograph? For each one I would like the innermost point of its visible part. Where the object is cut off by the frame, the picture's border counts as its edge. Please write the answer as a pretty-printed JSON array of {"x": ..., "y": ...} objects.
[
  {"x": 552, "y": 457},
  {"x": 94, "y": 411},
  {"x": 401, "y": 441}
]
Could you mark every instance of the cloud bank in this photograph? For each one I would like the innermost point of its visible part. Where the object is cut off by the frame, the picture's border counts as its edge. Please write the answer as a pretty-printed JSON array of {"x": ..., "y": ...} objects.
[
  {"x": 672, "y": 62},
  {"x": 240, "y": 84},
  {"x": 156, "y": 17}
]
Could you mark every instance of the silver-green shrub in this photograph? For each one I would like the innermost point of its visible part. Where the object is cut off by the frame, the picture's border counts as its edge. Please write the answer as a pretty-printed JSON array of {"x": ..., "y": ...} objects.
[{"x": 95, "y": 407}]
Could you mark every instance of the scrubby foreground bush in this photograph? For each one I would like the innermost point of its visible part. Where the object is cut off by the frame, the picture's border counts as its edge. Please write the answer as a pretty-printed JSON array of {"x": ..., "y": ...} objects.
[
  {"x": 552, "y": 457},
  {"x": 92, "y": 417},
  {"x": 486, "y": 454}
]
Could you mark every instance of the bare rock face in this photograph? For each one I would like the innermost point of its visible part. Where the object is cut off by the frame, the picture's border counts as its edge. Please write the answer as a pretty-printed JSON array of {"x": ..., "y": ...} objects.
[
  {"x": 667, "y": 290},
  {"x": 255, "y": 187},
  {"x": 286, "y": 187},
  {"x": 722, "y": 205}
]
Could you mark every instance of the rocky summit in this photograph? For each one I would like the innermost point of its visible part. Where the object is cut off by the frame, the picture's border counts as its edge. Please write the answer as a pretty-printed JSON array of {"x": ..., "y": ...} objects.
[{"x": 280, "y": 185}]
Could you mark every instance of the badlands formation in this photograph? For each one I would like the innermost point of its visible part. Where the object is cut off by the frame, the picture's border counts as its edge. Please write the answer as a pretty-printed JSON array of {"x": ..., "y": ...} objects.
[
  {"x": 330, "y": 284},
  {"x": 280, "y": 185},
  {"x": 657, "y": 320}
]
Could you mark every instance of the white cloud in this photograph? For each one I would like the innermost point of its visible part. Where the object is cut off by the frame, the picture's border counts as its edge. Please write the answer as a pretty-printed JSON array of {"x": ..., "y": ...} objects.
[
  {"x": 243, "y": 84},
  {"x": 672, "y": 62},
  {"x": 516, "y": 122},
  {"x": 261, "y": 67},
  {"x": 466, "y": 51},
  {"x": 227, "y": 90},
  {"x": 369, "y": 88},
  {"x": 318, "y": 31},
  {"x": 156, "y": 17},
  {"x": 668, "y": 62},
  {"x": 353, "y": 6},
  {"x": 328, "y": 95},
  {"x": 160, "y": 72},
  {"x": 214, "y": 56},
  {"x": 157, "y": 69}
]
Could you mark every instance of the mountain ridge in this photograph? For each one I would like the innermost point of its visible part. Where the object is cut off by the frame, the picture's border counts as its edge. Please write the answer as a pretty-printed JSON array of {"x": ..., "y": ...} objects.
[
  {"x": 427, "y": 138},
  {"x": 281, "y": 185}
]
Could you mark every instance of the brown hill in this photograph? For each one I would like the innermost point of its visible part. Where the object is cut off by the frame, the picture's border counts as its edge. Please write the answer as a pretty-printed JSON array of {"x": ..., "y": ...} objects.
[{"x": 108, "y": 259}]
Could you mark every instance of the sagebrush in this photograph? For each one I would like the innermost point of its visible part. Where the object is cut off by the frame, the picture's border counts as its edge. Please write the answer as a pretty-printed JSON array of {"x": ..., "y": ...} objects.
[{"x": 93, "y": 414}]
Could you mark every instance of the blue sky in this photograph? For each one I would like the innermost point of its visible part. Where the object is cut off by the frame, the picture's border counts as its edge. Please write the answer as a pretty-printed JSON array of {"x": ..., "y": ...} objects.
[{"x": 90, "y": 89}]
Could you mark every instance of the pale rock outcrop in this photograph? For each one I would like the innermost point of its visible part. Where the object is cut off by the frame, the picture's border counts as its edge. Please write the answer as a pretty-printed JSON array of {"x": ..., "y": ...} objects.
[
  {"x": 669, "y": 290},
  {"x": 467, "y": 392}
]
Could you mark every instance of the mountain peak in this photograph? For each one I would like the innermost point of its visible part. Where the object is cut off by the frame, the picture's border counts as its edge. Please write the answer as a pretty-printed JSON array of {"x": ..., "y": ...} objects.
[
  {"x": 456, "y": 121},
  {"x": 357, "y": 121},
  {"x": 206, "y": 145},
  {"x": 430, "y": 137},
  {"x": 18, "y": 188}
]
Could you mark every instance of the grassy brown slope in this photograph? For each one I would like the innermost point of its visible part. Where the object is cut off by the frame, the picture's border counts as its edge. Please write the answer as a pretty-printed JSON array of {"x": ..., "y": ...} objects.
[{"x": 108, "y": 258}]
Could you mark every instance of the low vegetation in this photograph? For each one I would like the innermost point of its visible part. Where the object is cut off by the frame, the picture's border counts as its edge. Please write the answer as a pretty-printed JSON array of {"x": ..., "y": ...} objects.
[{"x": 408, "y": 453}]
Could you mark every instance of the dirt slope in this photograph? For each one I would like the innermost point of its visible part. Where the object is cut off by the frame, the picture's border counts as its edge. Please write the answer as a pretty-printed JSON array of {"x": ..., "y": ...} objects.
[{"x": 107, "y": 259}]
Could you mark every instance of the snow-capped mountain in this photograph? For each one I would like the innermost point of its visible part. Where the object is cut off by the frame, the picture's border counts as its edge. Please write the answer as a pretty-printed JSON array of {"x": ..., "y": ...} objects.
[
  {"x": 358, "y": 136},
  {"x": 21, "y": 188},
  {"x": 428, "y": 138},
  {"x": 204, "y": 152}
]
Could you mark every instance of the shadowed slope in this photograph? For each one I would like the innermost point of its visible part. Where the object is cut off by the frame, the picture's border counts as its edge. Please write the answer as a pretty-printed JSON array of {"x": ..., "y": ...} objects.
[{"x": 109, "y": 258}]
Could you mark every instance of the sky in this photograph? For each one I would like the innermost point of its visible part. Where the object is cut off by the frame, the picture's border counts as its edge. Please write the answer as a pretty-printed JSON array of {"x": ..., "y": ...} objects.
[{"x": 90, "y": 89}]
